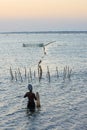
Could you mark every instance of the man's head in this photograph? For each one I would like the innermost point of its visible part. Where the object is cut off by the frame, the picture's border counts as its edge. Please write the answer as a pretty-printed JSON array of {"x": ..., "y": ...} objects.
[{"x": 30, "y": 87}]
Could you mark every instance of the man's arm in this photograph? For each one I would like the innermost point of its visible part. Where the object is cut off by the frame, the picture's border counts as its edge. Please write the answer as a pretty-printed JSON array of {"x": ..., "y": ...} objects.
[
  {"x": 25, "y": 95},
  {"x": 35, "y": 97}
]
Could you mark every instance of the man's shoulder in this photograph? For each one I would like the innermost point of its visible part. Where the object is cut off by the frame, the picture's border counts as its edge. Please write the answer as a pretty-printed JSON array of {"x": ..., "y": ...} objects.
[{"x": 33, "y": 93}]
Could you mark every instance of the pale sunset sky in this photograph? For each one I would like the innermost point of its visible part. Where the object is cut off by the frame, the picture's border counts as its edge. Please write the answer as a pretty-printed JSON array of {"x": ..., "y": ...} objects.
[{"x": 43, "y": 15}]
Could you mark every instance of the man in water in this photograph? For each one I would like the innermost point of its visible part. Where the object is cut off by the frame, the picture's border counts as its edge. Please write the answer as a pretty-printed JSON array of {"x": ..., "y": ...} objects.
[{"x": 31, "y": 97}]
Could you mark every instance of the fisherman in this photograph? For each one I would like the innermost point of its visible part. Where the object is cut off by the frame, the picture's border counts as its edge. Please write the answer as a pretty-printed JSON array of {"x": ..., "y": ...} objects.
[
  {"x": 39, "y": 72},
  {"x": 39, "y": 62},
  {"x": 44, "y": 50},
  {"x": 31, "y": 98}
]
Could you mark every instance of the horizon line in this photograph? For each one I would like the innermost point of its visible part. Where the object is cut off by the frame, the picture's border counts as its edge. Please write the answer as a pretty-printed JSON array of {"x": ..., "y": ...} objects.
[{"x": 38, "y": 32}]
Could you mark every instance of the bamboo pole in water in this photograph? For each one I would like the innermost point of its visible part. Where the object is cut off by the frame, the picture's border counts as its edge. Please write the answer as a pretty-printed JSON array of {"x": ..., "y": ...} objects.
[
  {"x": 30, "y": 74},
  {"x": 28, "y": 78},
  {"x": 19, "y": 74},
  {"x": 40, "y": 72},
  {"x": 48, "y": 73},
  {"x": 11, "y": 73},
  {"x": 15, "y": 75},
  {"x": 57, "y": 72},
  {"x": 64, "y": 73},
  {"x": 69, "y": 73},
  {"x": 34, "y": 74},
  {"x": 25, "y": 72}
]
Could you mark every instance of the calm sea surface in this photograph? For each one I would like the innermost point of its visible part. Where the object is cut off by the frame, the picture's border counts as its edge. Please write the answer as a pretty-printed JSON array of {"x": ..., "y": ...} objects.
[{"x": 63, "y": 95}]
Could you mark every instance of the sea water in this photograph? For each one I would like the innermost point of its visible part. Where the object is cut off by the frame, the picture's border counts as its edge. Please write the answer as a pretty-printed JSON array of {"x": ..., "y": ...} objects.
[{"x": 63, "y": 98}]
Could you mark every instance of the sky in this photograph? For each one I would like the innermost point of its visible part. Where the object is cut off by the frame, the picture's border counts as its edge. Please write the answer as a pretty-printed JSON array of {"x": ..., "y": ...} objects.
[{"x": 43, "y": 15}]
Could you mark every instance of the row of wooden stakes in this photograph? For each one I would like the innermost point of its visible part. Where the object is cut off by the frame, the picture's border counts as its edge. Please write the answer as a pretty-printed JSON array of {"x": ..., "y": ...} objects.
[{"x": 30, "y": 75}]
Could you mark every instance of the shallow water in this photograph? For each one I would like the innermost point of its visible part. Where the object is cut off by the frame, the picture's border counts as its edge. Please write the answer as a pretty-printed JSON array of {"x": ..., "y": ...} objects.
[{"x": 63, "y": 99}]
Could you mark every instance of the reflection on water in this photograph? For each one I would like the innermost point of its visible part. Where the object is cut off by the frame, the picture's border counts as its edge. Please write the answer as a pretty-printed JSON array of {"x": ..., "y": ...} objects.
[{"x": 63, "y": 99}]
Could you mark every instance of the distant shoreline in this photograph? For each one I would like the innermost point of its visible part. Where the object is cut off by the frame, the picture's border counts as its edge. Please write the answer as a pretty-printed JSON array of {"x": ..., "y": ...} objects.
[{"x": 43, "y": 32}]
